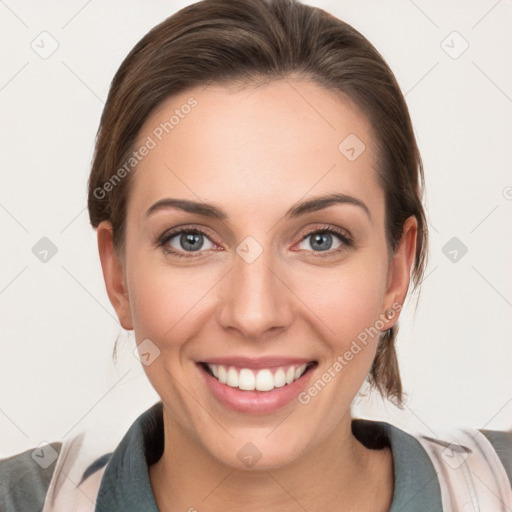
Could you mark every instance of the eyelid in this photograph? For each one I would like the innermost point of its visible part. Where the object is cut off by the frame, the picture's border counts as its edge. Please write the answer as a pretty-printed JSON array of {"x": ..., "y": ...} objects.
[
  {"x": 345, "y": 238},
  {"x": 177, "y": 230},
  {"x": 327, "y": 228}
]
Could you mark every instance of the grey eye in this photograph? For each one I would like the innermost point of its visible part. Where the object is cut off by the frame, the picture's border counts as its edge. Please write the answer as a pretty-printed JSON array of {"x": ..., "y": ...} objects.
[
  {"x": 189, "y": 241},
  {"x": 320, "y": 241}
]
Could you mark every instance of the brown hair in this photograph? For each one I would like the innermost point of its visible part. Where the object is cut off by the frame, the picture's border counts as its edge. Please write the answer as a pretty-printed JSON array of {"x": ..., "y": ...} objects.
[{"x": 230, "y": 42}]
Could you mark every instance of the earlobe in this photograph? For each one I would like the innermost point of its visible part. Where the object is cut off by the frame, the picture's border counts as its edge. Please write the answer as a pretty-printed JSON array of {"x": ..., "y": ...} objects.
[
  {"x": 400, "y": 268},
  {"x": 114, "y": 275}
]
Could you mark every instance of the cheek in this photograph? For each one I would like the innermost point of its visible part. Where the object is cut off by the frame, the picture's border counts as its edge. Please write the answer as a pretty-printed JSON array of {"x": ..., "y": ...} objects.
[
  {"x": 346, "y": 310},
  {"x": 165, "y": 307},
  {"x": 165, "y": 302},
  {"x": 347, "y": 300},
  {"x": 151, "y": 302},
  {"x": 353, "y": 310}
]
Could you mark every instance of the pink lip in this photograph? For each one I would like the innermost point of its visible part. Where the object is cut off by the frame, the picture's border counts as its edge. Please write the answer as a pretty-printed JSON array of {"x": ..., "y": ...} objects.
[
  {"x": 255, "y": 402},
  {"x": 257, "y": 362}
]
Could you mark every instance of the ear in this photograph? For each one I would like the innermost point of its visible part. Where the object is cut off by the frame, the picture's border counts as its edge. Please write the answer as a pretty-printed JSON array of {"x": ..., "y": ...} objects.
[
  {"x": 114, "y": 275},
  {"x": 400, "y": 268}
]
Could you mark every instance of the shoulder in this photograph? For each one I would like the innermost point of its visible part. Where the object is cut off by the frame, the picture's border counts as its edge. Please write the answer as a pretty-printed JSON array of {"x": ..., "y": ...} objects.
[
  {"x": 502, "y": 444},
  {"x": 26, "y": 476},
  {"x": 66, "y": 474},
  {"x": 454, "y": 465},
  {"x": 472, "y": 465},
  {"x": 472, "y": 445},
  {"x": 51, "y": 472}
]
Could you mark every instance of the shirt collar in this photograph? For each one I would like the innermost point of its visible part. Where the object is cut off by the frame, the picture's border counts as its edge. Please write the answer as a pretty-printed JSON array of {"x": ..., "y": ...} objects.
[
  {"x": 416, "y": 485},
  {"x": 126, "y": 487}
]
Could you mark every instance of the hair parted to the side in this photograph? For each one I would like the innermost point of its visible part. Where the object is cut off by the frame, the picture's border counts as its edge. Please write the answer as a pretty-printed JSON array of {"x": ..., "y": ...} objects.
[{"x": 244, "y": 42}]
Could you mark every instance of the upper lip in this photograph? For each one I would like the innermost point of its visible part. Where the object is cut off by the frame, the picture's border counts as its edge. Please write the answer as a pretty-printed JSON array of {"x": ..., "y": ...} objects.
[{"x": 257, "y": 362}]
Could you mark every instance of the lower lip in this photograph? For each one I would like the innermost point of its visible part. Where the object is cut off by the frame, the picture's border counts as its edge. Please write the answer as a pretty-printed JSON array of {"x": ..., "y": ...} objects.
[{"x": 256, "y": 402}]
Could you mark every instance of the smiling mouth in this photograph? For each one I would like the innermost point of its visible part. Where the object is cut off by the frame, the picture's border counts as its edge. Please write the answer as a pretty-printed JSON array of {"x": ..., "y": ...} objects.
[{"x": 261, "y": 379}]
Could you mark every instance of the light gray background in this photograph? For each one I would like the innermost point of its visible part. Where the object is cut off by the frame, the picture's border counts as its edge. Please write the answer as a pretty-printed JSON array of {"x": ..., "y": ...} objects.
[{"x": 57, "y": 326}]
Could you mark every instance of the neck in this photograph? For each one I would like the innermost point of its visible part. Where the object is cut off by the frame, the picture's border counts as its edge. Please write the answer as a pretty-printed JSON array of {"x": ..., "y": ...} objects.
[{"x": 339, "y": 471}]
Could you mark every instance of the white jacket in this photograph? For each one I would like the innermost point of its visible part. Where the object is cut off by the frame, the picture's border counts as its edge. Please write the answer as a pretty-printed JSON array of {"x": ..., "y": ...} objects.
[
  {"x": 458, "y": 471},
  {"x": 471, "y": 475}
]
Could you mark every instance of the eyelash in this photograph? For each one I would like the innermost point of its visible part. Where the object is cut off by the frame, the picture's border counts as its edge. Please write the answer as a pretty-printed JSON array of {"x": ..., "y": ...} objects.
[{"x": 342, "y": 235}]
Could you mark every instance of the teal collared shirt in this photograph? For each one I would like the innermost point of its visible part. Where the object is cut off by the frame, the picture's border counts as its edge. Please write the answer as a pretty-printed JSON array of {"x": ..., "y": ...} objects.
[{"x": 125, "y": 486}]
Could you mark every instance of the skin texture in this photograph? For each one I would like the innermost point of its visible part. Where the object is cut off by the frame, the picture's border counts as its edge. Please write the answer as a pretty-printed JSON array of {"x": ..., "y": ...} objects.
[{"x": 255, "y": 152}]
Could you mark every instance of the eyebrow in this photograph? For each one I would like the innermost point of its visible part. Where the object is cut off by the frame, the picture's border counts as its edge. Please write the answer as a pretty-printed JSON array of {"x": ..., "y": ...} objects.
[{"x": 302, "y": 208}]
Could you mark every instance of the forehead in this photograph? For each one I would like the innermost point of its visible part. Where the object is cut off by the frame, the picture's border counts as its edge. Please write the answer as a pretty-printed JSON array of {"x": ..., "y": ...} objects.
[{"x": 285, "y": 139}]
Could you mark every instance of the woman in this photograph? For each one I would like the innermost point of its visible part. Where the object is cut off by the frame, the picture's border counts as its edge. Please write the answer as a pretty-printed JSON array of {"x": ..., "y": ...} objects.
[{"x": 256, "y": 190}]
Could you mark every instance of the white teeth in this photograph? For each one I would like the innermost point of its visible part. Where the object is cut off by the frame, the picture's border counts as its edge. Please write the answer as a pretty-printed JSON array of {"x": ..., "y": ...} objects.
[
  {"x": 232, "y": 379},
  {"x": 260, "y": 380},
  {"x": 279, "y": 378},
  {"x": 223, "y": 374},
  {"x": 247, "y": 380},
  {"x": 290, "y": 375},
  {"x": 299, "y": 371},
  {"x": 264, "y": 380}
]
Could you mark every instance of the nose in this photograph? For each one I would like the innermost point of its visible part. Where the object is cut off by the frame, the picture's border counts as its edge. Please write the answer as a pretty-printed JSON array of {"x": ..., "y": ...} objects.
[{"x": 256, "y": 300}]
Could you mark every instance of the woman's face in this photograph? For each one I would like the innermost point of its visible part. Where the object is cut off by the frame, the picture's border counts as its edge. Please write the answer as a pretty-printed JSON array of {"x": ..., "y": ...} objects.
[{"x": 250, "y": 273}]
